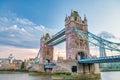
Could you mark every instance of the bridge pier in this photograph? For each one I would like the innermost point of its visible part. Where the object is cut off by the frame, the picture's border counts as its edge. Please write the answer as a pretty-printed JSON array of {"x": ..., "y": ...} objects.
[
  {"x": 37, "y": 67},
  {"x": 65, "y": 66},
  {"x": 88, "y": 68},
  {"x": 71, "y": 66}
]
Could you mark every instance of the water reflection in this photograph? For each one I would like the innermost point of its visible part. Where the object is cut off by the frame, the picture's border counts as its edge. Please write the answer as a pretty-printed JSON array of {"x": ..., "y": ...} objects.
[
  {"x": 26, "y": 76},
  {"x": 23, "y": 76},
  {"x": 110, "y": 75}
]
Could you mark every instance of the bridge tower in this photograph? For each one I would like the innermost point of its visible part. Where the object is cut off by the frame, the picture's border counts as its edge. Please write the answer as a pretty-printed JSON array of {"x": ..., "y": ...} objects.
[
  {"x": 102, "y": 53},
  {"x": 102, "y": 49},
  {"x": 75, "y": 45},
  {"x": 46, "y": 50}
]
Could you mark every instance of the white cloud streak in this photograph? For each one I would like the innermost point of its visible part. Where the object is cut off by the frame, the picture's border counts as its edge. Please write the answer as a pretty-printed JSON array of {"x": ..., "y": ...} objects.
[
  {"x": 24, "y": 21},
  {"x": 20, "y": 32}
]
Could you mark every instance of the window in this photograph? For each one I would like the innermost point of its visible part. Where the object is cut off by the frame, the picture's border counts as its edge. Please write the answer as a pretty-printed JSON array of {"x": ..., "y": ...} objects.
[
  {"x": 48, "y": 52},
  {"x": 75, "y": 18}
]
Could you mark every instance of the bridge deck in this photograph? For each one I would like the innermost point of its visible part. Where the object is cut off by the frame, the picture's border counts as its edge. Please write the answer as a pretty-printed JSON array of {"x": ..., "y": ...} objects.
[
  {"x": 58, "y": 41},
  {"x": 101, "y": 60},
  {"x": 56, "y": 36}
]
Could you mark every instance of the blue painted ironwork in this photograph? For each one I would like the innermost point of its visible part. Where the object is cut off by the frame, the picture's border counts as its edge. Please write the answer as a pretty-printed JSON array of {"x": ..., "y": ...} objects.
[
  {"x": 95, "y": 40},
  {"x": 58, "y": 41},
  {"x": 100, "y": 59},
  {"x": 36, "y": 60},
  {"x": 102, "y": 49},
  {"x": 56, "y": 36}
]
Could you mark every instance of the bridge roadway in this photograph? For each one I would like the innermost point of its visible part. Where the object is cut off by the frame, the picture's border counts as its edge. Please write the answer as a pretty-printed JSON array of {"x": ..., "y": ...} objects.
[
  {"x": 56, "y": 36},
  {"x": 62, "y": 39},
  {"x": 107, "y": 59},
  {"x": 101, "y": 59}
]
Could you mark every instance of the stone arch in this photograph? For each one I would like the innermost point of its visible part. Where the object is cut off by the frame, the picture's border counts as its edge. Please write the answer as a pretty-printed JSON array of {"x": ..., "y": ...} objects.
[
  {"x": 81, "y": 55},
  {"x": 48, "y": 60}
]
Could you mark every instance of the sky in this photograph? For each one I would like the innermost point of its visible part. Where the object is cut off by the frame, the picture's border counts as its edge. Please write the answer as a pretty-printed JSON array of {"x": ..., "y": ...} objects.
[{"x": 23, "y": 22}]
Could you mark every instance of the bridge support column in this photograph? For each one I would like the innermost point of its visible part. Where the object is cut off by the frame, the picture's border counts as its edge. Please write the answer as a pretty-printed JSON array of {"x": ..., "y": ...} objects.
[
  {"x": 37, "y": 67},
  {"x": 97, "y": 70},
  {"x": 88, "y": 68}
]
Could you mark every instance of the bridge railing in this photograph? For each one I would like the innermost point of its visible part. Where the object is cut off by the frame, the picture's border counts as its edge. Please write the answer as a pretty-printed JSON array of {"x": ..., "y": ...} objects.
[
  {"x": 58, "y": 41},
  {"x": 101, "y": 59},
  {"x": 57, "y": 35}
]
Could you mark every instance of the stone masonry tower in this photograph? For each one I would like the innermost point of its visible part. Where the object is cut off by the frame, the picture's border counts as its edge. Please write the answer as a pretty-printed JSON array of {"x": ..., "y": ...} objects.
[
  {"x": 75, "y": 45},
  {"x": 46, "y": 50}
]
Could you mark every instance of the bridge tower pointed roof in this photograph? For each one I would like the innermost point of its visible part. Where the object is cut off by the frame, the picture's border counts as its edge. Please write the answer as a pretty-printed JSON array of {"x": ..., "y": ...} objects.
[{"x": 74, "y": 13}]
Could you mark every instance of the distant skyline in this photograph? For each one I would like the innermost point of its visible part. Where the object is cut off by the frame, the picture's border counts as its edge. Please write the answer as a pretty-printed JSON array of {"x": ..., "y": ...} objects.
[{"x": 23, "y": 22}]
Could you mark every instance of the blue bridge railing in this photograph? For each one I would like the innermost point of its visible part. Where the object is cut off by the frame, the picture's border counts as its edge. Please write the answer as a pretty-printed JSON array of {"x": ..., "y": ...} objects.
[
  {"x": 49, "y": 65},
  {"x": 57, "y": 35},
  {"x": 101, "y": 59}
]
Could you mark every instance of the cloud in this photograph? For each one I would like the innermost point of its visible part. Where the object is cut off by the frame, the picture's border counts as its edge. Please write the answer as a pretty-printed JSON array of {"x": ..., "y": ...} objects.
[
  {"x": 109, "y": 36},
  {"x": 106, "y": 35},
  {"x": 4, "y": 19},
  {"x": 21, "y": 32},
  {"x": 12, "y": 35},
  {"x": 40, "y": 28},
  {"x": 24, "y": 21},
  {"x": 14, "y": 27}
]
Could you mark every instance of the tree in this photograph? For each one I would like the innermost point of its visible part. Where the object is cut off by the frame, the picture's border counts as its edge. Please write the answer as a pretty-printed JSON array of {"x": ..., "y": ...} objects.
[{"x": 22, "y": 66}]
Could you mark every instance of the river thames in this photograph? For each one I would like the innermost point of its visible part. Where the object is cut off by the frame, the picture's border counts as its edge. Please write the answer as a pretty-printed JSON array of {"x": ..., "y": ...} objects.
[{"x": 26, "y": 76}]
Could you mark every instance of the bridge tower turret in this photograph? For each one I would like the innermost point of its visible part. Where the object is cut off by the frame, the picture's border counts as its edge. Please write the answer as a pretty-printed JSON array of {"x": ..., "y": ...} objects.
[{"x": 75, "y": 45}]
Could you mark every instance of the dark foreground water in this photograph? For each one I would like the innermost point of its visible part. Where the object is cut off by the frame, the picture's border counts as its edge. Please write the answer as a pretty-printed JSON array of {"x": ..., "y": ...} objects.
[{"x": 26, "y": 76}]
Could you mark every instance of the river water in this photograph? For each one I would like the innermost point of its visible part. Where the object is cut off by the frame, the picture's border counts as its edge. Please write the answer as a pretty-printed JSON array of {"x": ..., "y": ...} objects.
[{"x": 26, "y": 76}]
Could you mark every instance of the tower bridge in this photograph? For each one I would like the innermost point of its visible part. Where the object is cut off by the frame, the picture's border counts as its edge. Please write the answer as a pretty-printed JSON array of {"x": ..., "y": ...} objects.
[{"x": 77, "y": 39}]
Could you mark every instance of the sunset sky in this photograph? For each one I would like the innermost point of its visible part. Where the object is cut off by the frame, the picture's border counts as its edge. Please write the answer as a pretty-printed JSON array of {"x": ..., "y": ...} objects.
[{"x": 23, "y": 22}]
